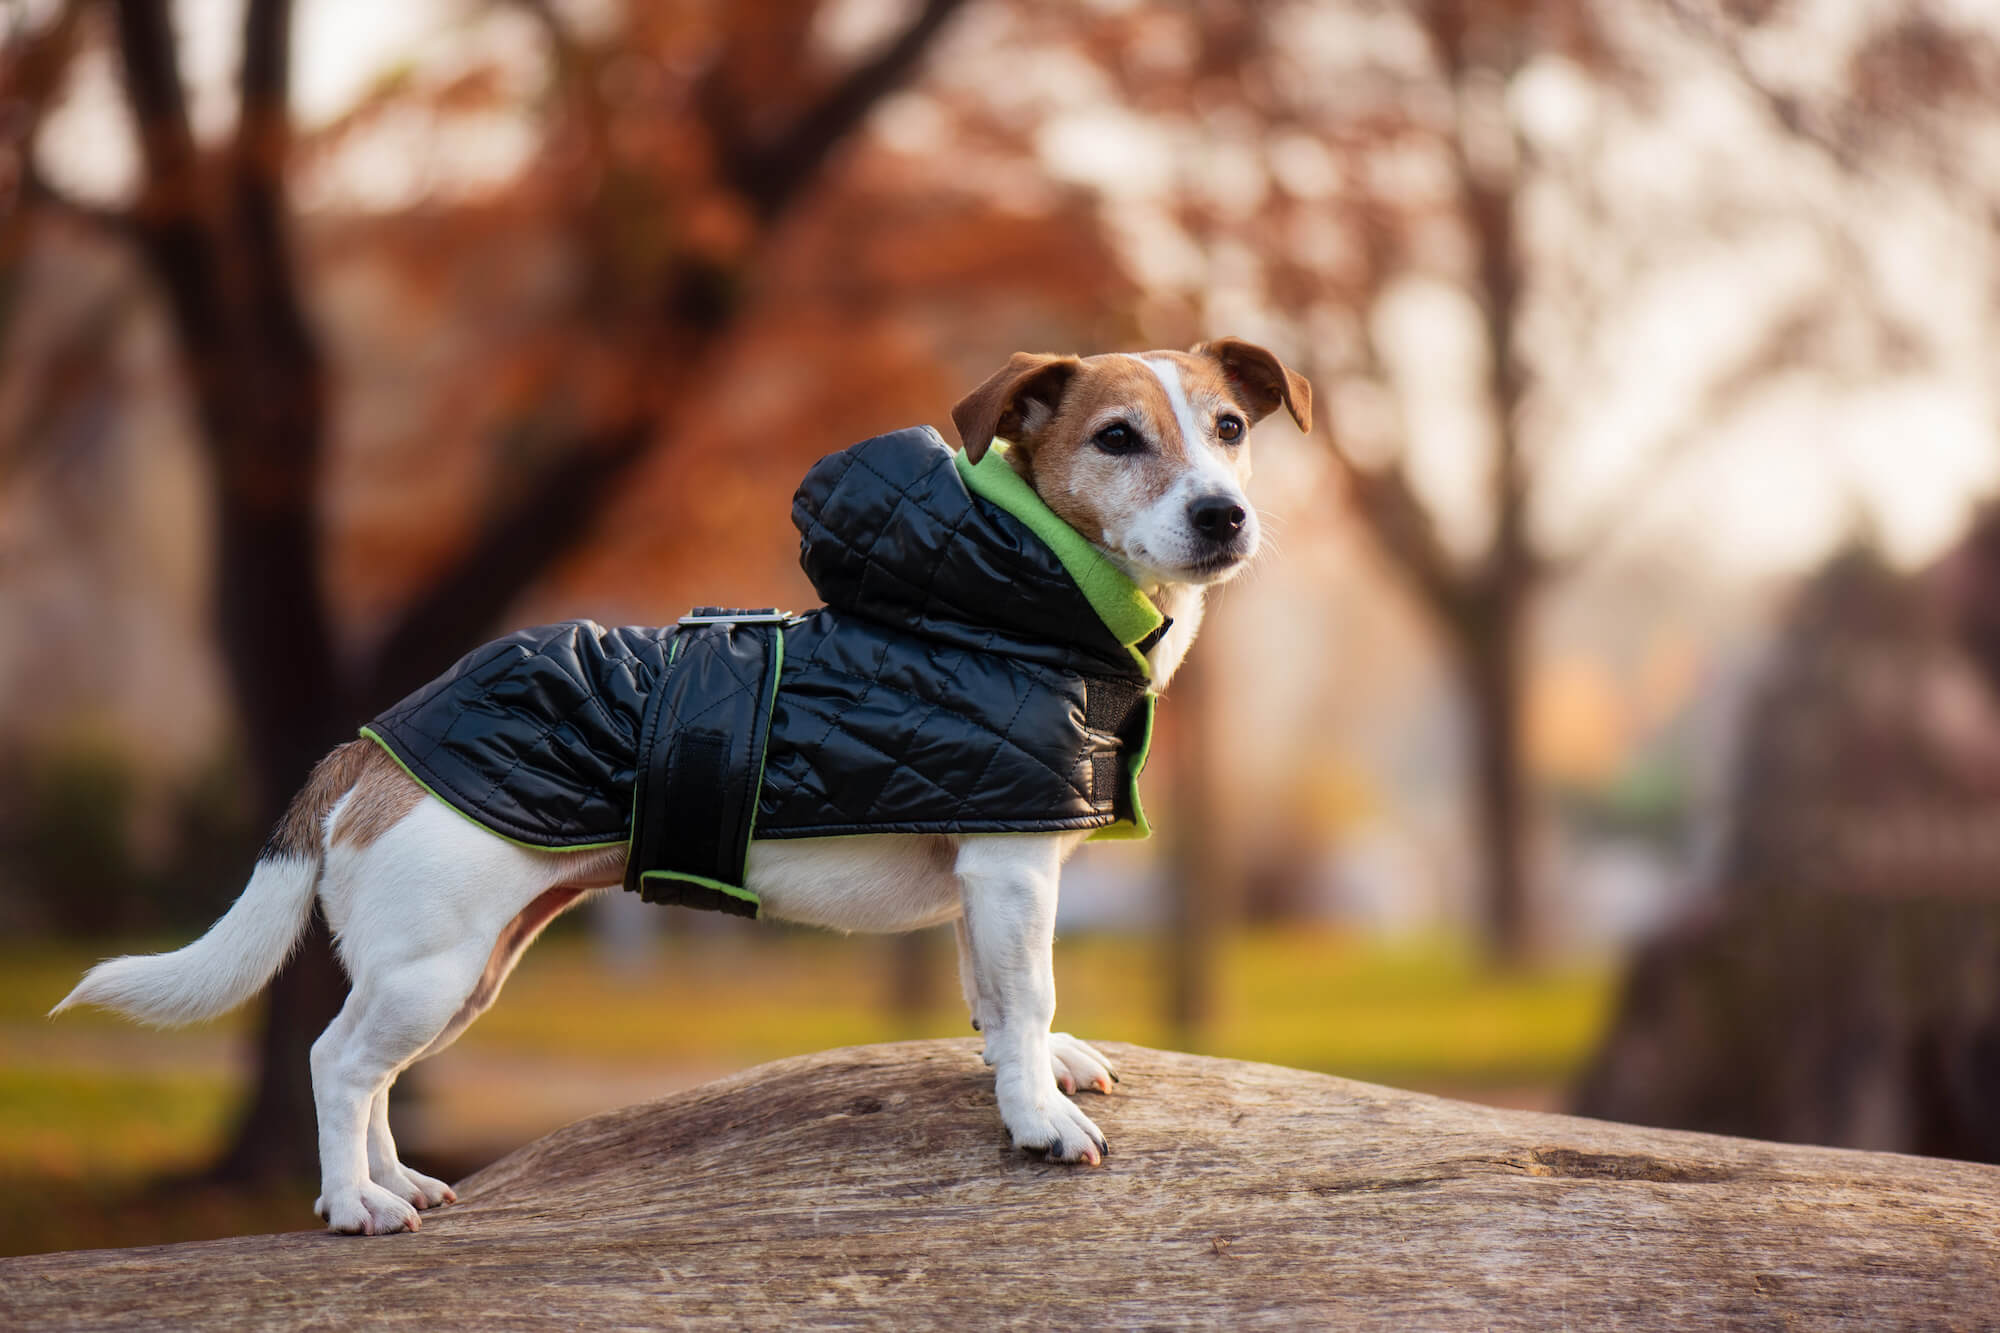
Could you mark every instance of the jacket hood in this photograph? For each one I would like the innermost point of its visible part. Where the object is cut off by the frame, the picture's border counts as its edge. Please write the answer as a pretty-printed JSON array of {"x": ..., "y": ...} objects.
[{"x": 901, "y": 530}]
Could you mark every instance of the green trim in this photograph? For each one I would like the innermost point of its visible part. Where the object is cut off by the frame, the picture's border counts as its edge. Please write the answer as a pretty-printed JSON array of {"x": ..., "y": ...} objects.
[
  {"x": 1136, "y": 828},
  {"x": 770, "y": 707},
  {"x": 1126, "y": 611},
  {"x": 452, "y": 806},
  {"x": 733, "y": 890}
]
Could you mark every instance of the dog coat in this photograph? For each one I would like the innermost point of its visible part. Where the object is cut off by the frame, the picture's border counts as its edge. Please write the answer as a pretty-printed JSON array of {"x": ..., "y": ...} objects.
[{"x": 978, "y": 668}]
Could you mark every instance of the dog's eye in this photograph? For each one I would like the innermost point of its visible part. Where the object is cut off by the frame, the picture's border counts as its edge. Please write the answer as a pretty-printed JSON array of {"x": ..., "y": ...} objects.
[
  {"x": 1229, "y": 429},
  {"x": 1118, "y": 438}
]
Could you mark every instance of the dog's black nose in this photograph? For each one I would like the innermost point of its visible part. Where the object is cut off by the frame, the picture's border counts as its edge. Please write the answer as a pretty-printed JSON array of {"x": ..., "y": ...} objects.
[{"x": 1216, "y": 517}]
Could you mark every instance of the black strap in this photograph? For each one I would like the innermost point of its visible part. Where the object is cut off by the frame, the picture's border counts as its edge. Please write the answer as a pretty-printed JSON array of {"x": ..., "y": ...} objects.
[
  {"x": 1112, "y": 706},
  {"x": 701, "y": 759}
]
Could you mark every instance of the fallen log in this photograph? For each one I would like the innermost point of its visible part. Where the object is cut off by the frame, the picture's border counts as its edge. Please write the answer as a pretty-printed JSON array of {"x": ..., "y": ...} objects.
[{"x": 875, "y": 1185}]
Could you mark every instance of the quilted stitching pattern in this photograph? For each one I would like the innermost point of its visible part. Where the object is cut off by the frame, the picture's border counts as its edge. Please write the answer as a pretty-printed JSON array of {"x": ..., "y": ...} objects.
[
  {"x": 535, "y": 735},
  {"x": 944, "y": 687}
]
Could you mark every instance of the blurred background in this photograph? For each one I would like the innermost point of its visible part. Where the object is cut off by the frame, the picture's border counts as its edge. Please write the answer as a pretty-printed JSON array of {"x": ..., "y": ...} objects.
[{"x": 1611, "y": 725}]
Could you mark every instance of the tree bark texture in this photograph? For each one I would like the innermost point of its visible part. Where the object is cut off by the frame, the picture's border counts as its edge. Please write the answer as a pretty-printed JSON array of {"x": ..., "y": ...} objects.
[{"x": 875, "y": 1186}]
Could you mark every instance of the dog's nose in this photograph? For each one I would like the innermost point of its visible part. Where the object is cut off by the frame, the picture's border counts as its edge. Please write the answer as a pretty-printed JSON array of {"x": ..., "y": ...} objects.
[{"x": 1216, "y": 517}]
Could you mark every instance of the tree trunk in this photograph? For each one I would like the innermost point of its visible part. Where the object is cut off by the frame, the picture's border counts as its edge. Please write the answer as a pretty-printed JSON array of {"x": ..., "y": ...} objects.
[
  {"x": 1195, "y": 873},
  {"x": 1490, "y": 651},
  {"x": 875, "y": 1186}
]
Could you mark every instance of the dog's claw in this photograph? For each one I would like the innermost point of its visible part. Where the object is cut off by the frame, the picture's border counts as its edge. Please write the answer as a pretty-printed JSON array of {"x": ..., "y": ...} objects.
[
  {"x": 369, "y": 1211},
  {"x": 1051, "y": 1124},
  {"x": 1077, "y": 1065}
]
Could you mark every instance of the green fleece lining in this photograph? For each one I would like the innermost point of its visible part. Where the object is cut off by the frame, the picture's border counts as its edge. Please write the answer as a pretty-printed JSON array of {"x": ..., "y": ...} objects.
[
  {"x": 1126, "y": 611},
  {"x": 389, "y": 750}
]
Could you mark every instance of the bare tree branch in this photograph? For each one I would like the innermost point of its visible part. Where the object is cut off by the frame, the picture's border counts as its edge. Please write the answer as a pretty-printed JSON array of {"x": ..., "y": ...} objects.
[
  {"x": 158, "y": 101},
  {"x": 1783, "y": 345},
  {"x": 175, "y": 240},
  {"x": 1400, "y": 523},
  {"x": 1792, "y": 115},
  {"x": 289, "y": 399},
  {"x": 769, "y": 174},
  {"x": 516, "y": 547}
]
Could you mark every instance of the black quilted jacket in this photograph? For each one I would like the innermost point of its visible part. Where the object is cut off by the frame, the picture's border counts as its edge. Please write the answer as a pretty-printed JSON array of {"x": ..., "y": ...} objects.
[{"x": 976, "y": 668}]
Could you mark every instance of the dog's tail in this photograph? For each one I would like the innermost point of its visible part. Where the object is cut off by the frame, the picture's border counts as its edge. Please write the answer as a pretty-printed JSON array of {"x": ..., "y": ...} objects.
[{"x": 242, "y": 952}]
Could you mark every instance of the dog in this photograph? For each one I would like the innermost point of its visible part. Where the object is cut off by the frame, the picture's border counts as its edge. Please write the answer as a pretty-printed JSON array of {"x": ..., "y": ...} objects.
[{"x": 1145, "y": 456}]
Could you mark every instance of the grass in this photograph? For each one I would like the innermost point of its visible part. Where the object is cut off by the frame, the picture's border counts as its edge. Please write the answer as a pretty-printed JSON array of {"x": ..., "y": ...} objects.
[
  {"x": 93, "y": 1112},
  {"x": 1425, "y": 1011}
]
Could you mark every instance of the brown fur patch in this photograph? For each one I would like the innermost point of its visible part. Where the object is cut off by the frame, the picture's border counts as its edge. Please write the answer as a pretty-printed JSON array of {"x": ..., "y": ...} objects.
[
  {"x": 1077, "y": 480},
  {"x": 383, "y": 794},
  {"x": 298, "y": 833}
]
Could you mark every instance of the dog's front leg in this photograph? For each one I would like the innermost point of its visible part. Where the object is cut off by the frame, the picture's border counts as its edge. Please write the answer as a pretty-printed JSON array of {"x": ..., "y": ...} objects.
[
  {"x": 1009, "y": 887},
  {"x": 1075, "y": 1064},
  {"x": 968, "y": 980}
]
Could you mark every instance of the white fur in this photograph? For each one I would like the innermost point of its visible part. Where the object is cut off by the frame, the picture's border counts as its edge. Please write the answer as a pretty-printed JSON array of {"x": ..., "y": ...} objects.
[
  {"x": 1157, "y": 542},
  {"x": 236, "y": 958},
  {"x": 431, "y": 917}
]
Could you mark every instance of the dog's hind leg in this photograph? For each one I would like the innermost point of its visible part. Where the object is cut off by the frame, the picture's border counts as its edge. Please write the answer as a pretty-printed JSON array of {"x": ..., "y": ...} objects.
[
  {"x": 392, "y": 1014},
  {"x": 385, "y": 1166},
  {"x": 386, "y": 1169},
  {"x": 418, "y": 914},
  {"x": 514, "y": 940}
]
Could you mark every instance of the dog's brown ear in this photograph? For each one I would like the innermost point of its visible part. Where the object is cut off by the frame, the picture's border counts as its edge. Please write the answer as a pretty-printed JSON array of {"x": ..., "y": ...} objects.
[
  {"x": 1261, "y": 382},
  {"x": 1015, "y": 403}
]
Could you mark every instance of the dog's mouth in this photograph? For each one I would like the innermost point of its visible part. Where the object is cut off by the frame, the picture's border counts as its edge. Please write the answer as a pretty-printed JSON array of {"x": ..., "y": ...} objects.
[
  {"x": 1221, "y": 562},
  {"x": 1214, "y": 567}
]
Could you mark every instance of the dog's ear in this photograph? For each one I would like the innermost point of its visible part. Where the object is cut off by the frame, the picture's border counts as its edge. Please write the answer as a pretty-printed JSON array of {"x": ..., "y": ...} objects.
[
  {"x": 1016, "y": 402},
  {"x": 1260, "y": 381}
]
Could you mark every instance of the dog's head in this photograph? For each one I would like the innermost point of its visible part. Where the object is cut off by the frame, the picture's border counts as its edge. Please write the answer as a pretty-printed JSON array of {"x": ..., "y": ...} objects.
[{"x": 1146, "y": 455}]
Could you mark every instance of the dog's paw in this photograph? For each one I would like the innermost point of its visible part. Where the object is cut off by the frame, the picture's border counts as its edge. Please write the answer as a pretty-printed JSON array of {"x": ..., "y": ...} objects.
[
  {"x": 407, "y": 1183},
  {"x": 428, "y": 1191},
  {"x": 1056, "y": 1127},
  {"x": 368, "y": 1211},
  {"x": 1078, "y": 1065}
]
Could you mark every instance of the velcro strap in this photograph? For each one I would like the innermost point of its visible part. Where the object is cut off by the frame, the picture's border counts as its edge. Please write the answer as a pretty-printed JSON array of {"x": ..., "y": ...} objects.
[
  {"x": 1110, "y": 706},
  {"x": 701, "y": 761}
]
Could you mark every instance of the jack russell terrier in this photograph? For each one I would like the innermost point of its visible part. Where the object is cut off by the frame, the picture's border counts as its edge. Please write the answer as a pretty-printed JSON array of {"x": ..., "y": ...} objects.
[{"x": 998, "y": 625}]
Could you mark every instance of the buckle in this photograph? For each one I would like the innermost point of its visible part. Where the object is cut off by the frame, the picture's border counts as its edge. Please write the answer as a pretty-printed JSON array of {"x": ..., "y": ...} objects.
[{"x": 722, "y": 615}]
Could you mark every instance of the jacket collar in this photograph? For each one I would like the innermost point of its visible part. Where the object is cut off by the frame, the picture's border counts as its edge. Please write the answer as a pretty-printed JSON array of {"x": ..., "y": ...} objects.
[
  {"x": 1119, "y": 602},
  {"x": 903, "y": 531}
]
